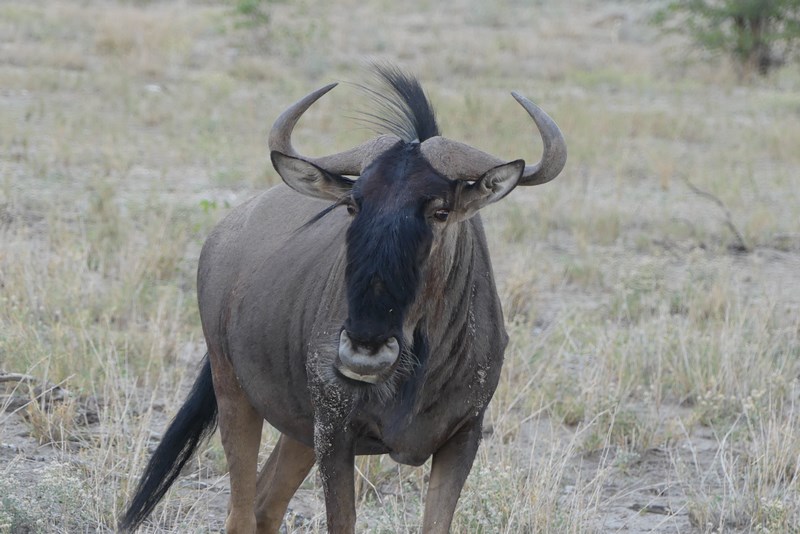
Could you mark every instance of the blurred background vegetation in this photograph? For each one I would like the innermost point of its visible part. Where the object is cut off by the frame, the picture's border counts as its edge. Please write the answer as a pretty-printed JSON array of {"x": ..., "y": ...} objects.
[{"x": 760, "y": 35}]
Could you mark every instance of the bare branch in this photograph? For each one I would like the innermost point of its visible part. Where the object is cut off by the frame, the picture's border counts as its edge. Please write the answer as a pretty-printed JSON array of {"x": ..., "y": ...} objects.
[
  {"x": 17, "y": 377},
  {"x": 741, "y": 245}
]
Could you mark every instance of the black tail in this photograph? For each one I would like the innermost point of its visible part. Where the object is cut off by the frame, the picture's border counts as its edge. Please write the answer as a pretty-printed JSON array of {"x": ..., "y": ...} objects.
[{"x": 195, "y": 421}]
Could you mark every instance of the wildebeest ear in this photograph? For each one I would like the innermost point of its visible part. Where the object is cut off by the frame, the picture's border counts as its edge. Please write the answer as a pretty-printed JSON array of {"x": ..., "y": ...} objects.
[
  {"x": 308, "y": 179},
  {"x": 491, "y": 187}
]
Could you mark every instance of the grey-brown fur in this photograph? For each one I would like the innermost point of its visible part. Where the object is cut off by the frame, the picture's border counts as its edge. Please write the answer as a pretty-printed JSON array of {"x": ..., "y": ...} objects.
[{"x": 272, "y": 300}]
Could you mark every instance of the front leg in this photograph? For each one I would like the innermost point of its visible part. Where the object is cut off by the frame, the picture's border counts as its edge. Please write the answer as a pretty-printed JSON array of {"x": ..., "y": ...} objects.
[
  {"x": 449, "y": 470},
  {"x": 334, "y": 448},
  {"x": 335, "y": 451},
  {"x": 334, "y": 440},
  {"x": 240, "y": 429}
]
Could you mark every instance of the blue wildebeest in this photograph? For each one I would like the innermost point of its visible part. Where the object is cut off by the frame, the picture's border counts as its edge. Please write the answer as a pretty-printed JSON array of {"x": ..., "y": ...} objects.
[{"x": 355, "y": 316}]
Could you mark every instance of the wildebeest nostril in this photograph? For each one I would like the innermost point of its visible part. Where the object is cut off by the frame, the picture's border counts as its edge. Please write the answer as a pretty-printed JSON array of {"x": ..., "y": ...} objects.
[{"x": 364, "y": 344}]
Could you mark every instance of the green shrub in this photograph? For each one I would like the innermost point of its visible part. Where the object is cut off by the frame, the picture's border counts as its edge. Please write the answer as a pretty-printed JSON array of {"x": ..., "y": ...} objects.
[
  {"x": 253, "y": 12},
  {"x": 758, "y": 34}
]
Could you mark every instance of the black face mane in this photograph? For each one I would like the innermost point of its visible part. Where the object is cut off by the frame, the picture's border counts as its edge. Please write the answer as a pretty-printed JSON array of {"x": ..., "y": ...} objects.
[
  {"x": 390, "y": 237},
  {"x": 388, "y": 241}
]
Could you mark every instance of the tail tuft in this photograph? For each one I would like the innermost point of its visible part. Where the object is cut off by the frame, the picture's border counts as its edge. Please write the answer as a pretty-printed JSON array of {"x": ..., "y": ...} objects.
[{"x": 194, "y": 422}]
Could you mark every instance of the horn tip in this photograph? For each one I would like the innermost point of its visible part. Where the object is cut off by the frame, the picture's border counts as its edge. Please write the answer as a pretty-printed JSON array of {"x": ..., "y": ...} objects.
[
  {"x": 522, "y": 99},
  {"x": 323, "y": 90}
]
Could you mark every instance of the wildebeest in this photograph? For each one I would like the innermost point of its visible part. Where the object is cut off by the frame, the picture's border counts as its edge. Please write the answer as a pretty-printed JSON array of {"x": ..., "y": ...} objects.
[{"x": 357, "y": 316}]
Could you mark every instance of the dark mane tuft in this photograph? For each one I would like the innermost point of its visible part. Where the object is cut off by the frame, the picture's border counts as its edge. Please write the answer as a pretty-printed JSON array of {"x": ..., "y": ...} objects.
[{"x": 402, "y": 108}]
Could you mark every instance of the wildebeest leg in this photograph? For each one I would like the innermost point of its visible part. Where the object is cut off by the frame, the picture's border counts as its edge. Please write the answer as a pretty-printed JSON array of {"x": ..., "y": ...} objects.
[
  {"x": 279, "y": 479},
  {"x": 449, "y": 470},
  {"x": 336, "y": 461},
  {"x": 240, "y": 429}
]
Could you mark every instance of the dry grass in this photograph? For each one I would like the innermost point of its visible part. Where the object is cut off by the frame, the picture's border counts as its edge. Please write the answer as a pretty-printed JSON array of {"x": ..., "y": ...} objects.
[{"x": 651, "y": 380}]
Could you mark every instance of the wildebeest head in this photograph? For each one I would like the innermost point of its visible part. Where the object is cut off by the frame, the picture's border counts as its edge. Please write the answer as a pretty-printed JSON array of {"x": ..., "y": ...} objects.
[{"x": 413, "y": 188}]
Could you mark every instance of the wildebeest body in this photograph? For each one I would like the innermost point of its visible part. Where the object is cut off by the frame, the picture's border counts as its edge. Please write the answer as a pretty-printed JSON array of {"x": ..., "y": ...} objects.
[
  {"x": 357, "y": 316},
  {"x": 272, "y": 297}
]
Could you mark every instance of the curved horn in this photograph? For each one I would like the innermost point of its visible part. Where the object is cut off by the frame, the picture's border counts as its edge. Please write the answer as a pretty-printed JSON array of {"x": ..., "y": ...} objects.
[
  {"x": 462, "y": 162},
  {"x": 350, "y": 162}
]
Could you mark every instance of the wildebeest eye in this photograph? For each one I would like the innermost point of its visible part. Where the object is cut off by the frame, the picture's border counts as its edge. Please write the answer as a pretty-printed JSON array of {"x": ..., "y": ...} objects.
[
  {"x": 351, "y": 209},
  {"x": 441, "y": 214}
]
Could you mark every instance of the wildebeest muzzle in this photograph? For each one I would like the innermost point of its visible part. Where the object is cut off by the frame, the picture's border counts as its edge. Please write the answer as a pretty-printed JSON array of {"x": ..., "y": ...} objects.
[{"x": 364, "y": 362}]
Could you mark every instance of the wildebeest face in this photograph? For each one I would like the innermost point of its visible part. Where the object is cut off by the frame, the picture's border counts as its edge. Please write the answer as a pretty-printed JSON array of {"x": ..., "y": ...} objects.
[
  {"x": 396, "y": 207},
  {"x": 400, "y": 206}
]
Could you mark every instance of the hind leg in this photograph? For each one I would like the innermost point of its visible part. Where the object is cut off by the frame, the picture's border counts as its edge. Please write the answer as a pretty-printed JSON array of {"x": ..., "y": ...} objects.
[
  {"x": 240, "y": 429},
  {"x": 279, "y": 479}
]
